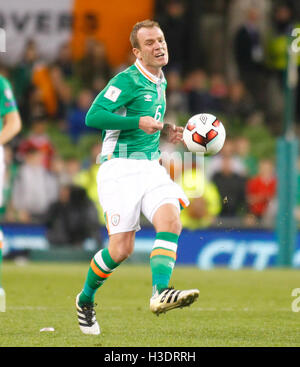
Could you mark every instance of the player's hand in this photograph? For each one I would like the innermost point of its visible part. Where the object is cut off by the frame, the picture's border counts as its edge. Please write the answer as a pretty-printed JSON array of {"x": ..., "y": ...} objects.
[
  {"x": 174, "y": 133},
  {"x": 149, "y": 125}
]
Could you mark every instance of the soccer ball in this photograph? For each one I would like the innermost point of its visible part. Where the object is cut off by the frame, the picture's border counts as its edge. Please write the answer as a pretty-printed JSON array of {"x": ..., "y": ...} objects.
[{"x": 204, "y": 133}]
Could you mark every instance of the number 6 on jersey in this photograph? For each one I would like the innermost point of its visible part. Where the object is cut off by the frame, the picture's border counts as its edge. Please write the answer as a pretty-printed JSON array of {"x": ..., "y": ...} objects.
[{"x": 157, "y": 115}]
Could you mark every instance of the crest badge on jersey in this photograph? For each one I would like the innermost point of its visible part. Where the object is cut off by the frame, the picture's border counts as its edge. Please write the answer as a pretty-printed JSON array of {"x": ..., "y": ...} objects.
[
  {"x": 112, "y": 93},
  {"x": 115, "y": 219}
]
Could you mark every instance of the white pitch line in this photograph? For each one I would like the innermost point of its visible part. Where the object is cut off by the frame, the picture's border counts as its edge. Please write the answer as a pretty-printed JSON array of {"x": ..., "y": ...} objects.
[
  {"x": 119, "y": 308},
  {"x": 229, "y": 309},
  {"x": 28, "y": 308}
]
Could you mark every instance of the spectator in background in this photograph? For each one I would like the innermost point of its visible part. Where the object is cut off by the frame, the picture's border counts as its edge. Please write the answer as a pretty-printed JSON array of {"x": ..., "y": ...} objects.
[
  {"x": 38, "y": 139},
  {"x": 65, "y": 170},
  {"x": 218, "y": 90},
  {"x": 261, "y": 189},
  {"x": 34, "y": 189},
  {"x": 55, "y": 218},
  {"x": 276, "y": 55},
  {"x": 87, "y": 179},
  {"x": 231, "y": 186},
  {"x": 65, "y": 62},
  {"x": 76, "y": 126},
  {"x": 33, "y": 84},
  {"x": 282, "y": 26},
  {"x": 249, "y": 55},
  {"x": 129, "y": 60},
  {"x": 239, "y": 105},
  {"x": 176, "y": 98},
  {"x": 72, "y": 166},
  {"x": 66, "y": 82},
  {"x": 99, "y": 83},
  {"x": 175, "y": 26},
  {"x": 62, "y": 90},
  {"x": 205, "y": 201},
  {"x": 72, "y": 219},
  {"x": 243, "y": 151},
  {"x": 21, "y": 76},
  {"x": 35, "y": 105},
  {"x": 214, "y": 164},
  {"x": 45, "y": 87},
  {"x": 196, "y": 86},
  {"x": 94, "y": 64},
  {"x": 57, "y": 169}
]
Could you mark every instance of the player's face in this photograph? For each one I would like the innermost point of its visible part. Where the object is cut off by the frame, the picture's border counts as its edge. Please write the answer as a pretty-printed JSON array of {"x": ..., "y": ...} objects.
[{"x": 152, "y": 51}]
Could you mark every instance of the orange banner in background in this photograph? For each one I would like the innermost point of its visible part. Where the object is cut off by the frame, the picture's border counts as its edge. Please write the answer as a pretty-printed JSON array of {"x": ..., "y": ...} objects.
[{"x": 110, "y": 22}]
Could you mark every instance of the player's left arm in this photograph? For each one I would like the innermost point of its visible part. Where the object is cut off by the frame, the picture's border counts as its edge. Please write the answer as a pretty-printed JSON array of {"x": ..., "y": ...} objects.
[
  {"x": 173, "y": 133},
  {"x": 11, "y": 126},
  {"x": 117, "y": 94}
]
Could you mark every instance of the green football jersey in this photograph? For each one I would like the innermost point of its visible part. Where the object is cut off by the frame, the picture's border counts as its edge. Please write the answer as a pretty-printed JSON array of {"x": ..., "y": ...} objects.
[
  {"x": 7, "y": 100},
  {"x": 133, "y": 92}
]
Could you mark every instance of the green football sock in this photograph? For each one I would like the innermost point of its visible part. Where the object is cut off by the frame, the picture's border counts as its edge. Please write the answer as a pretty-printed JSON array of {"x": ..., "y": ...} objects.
[
  {"x": 101, "y": 268},
  {"x": 162, "y": 259}
]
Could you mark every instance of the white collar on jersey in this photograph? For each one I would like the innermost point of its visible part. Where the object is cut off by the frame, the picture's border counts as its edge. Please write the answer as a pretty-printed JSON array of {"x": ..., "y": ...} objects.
[{"x": 148, "y": 75}]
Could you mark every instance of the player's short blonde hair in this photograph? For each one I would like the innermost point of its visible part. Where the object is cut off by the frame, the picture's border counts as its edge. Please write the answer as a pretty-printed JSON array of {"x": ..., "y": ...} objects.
[{"x": 143, "y": 24}]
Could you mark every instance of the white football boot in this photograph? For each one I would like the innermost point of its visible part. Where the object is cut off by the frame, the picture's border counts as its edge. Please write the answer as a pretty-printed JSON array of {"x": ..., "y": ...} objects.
[
  {"x": 171, "y": 298},
  {"x": 87, "y": 318}
]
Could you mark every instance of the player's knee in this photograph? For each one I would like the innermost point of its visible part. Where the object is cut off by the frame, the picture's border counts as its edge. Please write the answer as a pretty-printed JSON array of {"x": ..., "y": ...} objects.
[
  {"x": 171, "y": 224},
  {"x": 127, "y": 251},
  {"x": 122, "y": 252},
  {"x": 121, "y": 246},
  {"x": 176, "y": 226}
]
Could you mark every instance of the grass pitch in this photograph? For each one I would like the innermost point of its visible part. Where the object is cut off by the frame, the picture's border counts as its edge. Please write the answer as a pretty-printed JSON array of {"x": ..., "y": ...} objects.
[{"x": 236, "y": 308}]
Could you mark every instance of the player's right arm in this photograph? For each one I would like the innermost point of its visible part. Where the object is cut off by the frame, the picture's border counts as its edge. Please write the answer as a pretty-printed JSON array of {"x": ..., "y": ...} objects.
[
  {"x": 149, "y": 124},
  {"x": 117, "y": 94}
]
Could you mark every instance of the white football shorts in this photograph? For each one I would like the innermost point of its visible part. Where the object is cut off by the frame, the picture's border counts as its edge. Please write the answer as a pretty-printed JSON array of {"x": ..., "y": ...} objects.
[{"x": 127, "y": 187}]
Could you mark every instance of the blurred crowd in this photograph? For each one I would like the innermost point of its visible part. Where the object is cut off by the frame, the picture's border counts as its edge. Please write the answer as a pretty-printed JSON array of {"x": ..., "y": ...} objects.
[{"x": 240, "y": 190}]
